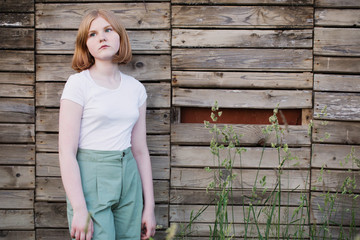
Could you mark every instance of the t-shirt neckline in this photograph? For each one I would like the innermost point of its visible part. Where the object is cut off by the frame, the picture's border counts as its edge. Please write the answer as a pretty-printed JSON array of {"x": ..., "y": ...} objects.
[{"x": 108, "y": 89}]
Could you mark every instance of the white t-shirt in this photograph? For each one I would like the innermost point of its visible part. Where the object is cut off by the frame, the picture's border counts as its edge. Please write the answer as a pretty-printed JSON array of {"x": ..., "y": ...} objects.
[{"x": 109, "y": 115}]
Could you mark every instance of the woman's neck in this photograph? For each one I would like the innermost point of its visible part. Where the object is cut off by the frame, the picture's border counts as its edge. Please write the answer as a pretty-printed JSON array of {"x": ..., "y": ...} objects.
[{"x": 106, "y": 74}]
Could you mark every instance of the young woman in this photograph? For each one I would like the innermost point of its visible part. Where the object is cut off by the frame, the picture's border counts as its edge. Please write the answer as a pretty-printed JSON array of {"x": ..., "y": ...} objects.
[{"x": 104, "y": 159}]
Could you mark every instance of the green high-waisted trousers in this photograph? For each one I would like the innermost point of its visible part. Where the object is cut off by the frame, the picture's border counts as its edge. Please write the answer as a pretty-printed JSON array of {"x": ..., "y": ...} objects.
[{"x": 113, "y": 193}]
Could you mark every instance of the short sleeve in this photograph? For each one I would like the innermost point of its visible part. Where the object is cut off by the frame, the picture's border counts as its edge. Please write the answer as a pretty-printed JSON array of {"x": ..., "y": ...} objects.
[
  {"x": 142, "y": 95},
  {"x": 74, "y": 90}
]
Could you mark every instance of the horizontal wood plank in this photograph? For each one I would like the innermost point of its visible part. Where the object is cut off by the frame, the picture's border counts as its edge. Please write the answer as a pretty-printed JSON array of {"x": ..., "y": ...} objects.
[
  {"x": 336, "y": 132},
  {"x": 52, "y": 234},
  {"x": 63, "y": 41},
  {"x": 337, "y": 64},
  {"x": 160, "y": 166},
  {"x": 47, "y": 165},
  {"x": 181, "y": 213},
  {"x": 158, "y": 144},
  {"x": 17, "y": 154},
  {"x": 242, "y": 80},
  {"x": 142, "y": 67},
  {"x": 14, "y": 235},
  {"x": 15, "y": 6},
  {"x": 12, "y": 60},
  {"x": 337, "y": 17},
  {"x": 17, "y": 78},
  {"x": 132, "y": 15},
  {"x": 252, "y": 2},
  {"x": 337, "y": 3},
  {"x": 333, "y": 180},
  {"x": 197, "y": 134},
  {"x": 242, "y": 38},
  {"x": 245, "y": 178},
  {"x": 336, "y": 156},
  {"x": 339, "y": 106},
  {"x": 17, "y": 38},
  {"x": 239, "y": 197},
  {"x": 16, "y": 199},
  {"x": 335, "y": 41},
  {"x": 17, "y": 133},
  {"x": 242, "y": 16},
  {"x": 17, "y": 220},
  {"x": 242, "y": 59},
  {"x": 261, "y": 99},
  {"x": 17, "y": 177},
  {"x": 48, "y": 94},
  {"x": 17, "y": 110},
  {"x": 16, "y": 90},
  {"x": 198, "y": 156},
  {"x": 17, "y": 20},
  {"x": 337, "y": 83}
]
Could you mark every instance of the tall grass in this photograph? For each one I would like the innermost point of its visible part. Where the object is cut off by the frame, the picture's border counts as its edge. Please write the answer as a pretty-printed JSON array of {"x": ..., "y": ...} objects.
[{"x": 263, "y": 213}]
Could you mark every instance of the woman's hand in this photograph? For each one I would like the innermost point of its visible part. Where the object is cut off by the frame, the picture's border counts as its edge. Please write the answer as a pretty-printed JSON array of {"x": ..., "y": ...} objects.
[
  {"x": 148, "y": 223},
  {"x": 82, "y": 227}
]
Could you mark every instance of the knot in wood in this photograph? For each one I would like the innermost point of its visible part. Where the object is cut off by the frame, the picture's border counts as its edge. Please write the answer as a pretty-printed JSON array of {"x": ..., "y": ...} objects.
[{"x": 139, "y": 64}]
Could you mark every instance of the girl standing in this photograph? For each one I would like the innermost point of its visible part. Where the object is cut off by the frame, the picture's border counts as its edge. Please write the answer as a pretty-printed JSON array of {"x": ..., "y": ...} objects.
[{"x": 104, "y": 159}]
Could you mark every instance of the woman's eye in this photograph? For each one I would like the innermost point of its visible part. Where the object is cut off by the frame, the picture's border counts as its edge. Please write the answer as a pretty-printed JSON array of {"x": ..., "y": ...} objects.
[
  {"x": 92, "y": 35},
  {"x": 108, "y": 30}
]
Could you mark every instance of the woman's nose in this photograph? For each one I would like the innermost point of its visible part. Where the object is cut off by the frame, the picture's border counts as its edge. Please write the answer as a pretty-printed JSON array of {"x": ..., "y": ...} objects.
[{"x": 102, "y": 37}]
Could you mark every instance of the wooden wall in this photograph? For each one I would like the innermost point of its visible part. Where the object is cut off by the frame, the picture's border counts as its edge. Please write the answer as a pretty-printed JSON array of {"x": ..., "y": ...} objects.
[{"x": 248, "y": 54}]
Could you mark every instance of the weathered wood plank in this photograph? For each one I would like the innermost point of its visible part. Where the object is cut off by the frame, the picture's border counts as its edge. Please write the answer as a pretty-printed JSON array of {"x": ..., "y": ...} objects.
[
  {"x": 17, "y": 110},
  {"x": 340, "y": 214},
  {"x": 17, "y": 133},
  {"x": 63, "y": 41},
  {"x": 142, "y": 67},
  {"x": 17, "y": 78},
  {"x": 161, "y": 191},
  {"x": 48, "y": 94},
  {"x": 339, "y": 106},
  {"x": 16, "y": 199},
  {"x": 335, "y": 41},
  {"x": 337, "y": 17},
  {"x": 158, "y": 121},
  {"x": 52, "y": 234},
  {"x": 160, "y": 167},
  {"x": 337, "y": 83},
  {"x": 242, "y": 80},
  {"x": 263, "y": 99},
  {"x": 17, "y": 154},
  {"x": 335, "y": 232},
  {"x": 200, "y": 178},
  {"x": 184, "y": 156},
  {"x": 47, "y": 165},
  {"x": 197, "y": 134},
  {"x": 333, "y": 180},
  {"x": 252, "y": 2},
  {"x": 181, "y": 213},
  {"x": 17, "y": 219},
  {"x": 239, "y": 197},
  {"x": 55, "y": 1},
  {"x": 158, "y": 144},
  {"x": 16, "y": 90},
  {"x": 12, "y": 60},
  {"x": 15, "y": 6},
  {"x": 17, "y": 38},
  {"x": 242, "y": 16},
  {"x": 337, "y": 3},
  {"x": 53, "y": 215},
  {"x": 242, "y": 59},
  {"x": 335, "y": 156},
  {"x": 17, "y": 177},
  {"x": 337, "y": 64},
  {"x": 242, "y": 38},
  {"x": 15, "y": 235},
  {"x": 338, "y": 132},
  {"x": 133, "y": 15},
  {"x": 16, "y": 20}
]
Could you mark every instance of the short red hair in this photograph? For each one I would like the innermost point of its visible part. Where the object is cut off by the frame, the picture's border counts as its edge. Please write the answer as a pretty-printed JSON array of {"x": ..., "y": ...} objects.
[{"x": 82, "y": 58}]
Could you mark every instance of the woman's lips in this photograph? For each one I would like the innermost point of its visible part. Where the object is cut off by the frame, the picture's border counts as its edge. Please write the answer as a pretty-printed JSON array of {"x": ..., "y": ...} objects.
[{"x": 104, "y": 46}]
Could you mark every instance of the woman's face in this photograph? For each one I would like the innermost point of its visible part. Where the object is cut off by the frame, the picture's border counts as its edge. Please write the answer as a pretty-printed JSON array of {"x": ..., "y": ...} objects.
[{"x": 103, "y": 41}]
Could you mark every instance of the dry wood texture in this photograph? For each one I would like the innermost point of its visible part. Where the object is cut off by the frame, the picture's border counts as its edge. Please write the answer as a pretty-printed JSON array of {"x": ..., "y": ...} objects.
[
  {"x": 337, "y": 83},
  {"x": 337, "y": 17}
]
